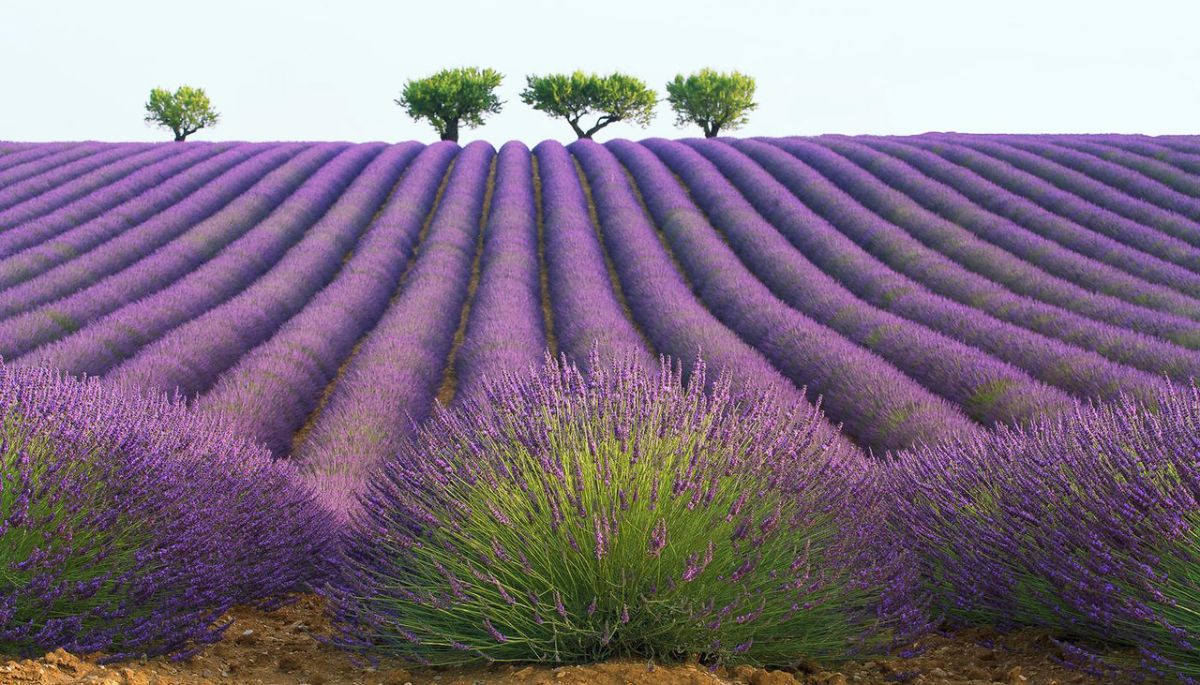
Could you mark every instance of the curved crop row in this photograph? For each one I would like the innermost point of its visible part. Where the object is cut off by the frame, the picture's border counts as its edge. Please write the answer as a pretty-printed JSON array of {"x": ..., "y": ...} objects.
[
  {"x": 1152, "y": 148},
  {"x": 31, "y": 328},
  {"x": 505, "y": 329},
  {"x": 277, "y": 385},
  {"x": 102, "y": 247},
  {"x": 901, "y": 252},
  {"x": 987, "y": 389},
  {"x": 189, "y": 358},
  {"x": 97, "y": 182},
  {"x": 587, "y": 313},
  {"x": 879, "y": 406},
  {"x": 917, "y": 231},
  {"x": 1147, "y": 227},
  {"x": 659, "y": 297},
  {"x": 55, "y": 176},
  {"x": 1135, "y": 168},
  {"x": 46, "y": 217},
  {"x": 390, "y": 385},
  {"x": 1078, "y": 371},
  {"x": 31, "y": 153},
  {"x": 1028, "y": 231},
  {"x": 109, "y": 340},
  {"x": 29, "y": 169}
]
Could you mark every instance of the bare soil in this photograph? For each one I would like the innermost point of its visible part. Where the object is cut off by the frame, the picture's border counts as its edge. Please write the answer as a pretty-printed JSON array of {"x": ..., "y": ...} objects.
[{"x": 281, "y": 648}]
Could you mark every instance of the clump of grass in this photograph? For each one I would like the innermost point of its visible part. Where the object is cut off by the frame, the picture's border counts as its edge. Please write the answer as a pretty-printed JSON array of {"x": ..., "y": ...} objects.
[
  {"x": 129, "y": 524},
  {"x": 569, "y": 516}
]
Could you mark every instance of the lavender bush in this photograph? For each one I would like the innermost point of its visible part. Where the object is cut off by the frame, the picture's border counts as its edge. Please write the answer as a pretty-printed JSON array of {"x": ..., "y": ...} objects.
[
  {"x": 1085, "y": 525},
  {"x": 129, "y": 524},
  {"x": 574, "y": 516}
]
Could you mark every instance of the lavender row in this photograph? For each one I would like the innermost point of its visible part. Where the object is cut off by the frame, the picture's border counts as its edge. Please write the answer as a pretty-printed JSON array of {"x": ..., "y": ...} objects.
[
  {"x": 923, "y": 232},
  {"x": 389, "y": 386},
  {"x": 1040, "y": 237},
  {"x": 587, "y": 311},
  {"x": 659, "y": 297},
  {"x": 108, "y": 291},
  {"x": 506, "y": 329},
  {"x": 1143, "y": 176},
  {"x": 107, "y": 341},
  {"x": 47, "y": 218},
  {"x": 277, "y": 385},
  {"x": 987, "y": 389},
  {"x": 189, "y": 358},
  {"x": 37, "y": 162},
  {"x": 32, "y": 153},
  {"x": 96, "y": 181},
  {"x": 104, "y": 246},
  {"x": 1151, "y": 229},
  {"x": 1152, "y": 148},
  {"x": 864, "y": 232},
  {"x": 1125, "y": 174},
  {"x": 56, "y": 175},
  {"x": 1076, "y": 371},
  {"x": 879, "y": 406}
]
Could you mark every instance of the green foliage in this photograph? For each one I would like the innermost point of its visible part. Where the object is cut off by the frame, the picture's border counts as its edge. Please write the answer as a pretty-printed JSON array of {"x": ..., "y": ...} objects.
[
  {"x": 617, "y": 97},
  {"x": 452, "y": 97},
  {"x": 185, "y": 111},
  {"x": 713, "y": 100}
]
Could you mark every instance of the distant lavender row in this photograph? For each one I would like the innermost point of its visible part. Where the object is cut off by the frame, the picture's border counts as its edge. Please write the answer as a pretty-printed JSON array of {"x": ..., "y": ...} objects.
[
  {"x": 902, "y": 251},
  {"x": 987, "y": 389},
  {"x": 879, "y": 406},
  {"x": 30, "y": 152},
  {"x": 54, "y": 176},
  {"x": 659, "y": 297},
  {"x": 389, "y": 386},
  {"x": 106, "y": 290},
  {"x": 1166, "y": 185},
  {"x": 34, "y": 162},
  {"x": 1075, "y": 370},
  {"x": 587, "y": 312},
  {"x": 103, "y": 247},
  {"x": 1151, "y": 148},
  {"x": 1032, "y": 233},
  {"x": 277, "y": 385},
  {"x": 1133, "y": 221},
  {"x": 107, "y": 341},
  {"x": 47, "y": 215},
  {"x": 62, "y": 194},
  {"x": 506, "y": 330},
  {"x": 189, "y": 358}
]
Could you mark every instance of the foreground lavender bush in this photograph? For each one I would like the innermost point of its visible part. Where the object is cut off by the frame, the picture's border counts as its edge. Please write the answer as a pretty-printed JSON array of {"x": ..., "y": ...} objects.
[
  {"x": 574, "y": 516},
  {"x": 129, "y": 525},
  {"x": 1088, "y": 525}
]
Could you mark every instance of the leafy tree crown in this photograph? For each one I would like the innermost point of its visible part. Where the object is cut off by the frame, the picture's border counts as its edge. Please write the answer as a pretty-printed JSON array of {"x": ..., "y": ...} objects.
[
  {"x": 185, "y": 111},
  {"x": 713, "y": 100},
  {"x": 616, "y": 97},
  {"x": 451, "y": 97}
]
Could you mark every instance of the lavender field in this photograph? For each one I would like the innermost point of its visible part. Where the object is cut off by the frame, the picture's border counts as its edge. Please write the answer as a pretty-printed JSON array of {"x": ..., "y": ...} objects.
[{"x": 325, "y": 296}]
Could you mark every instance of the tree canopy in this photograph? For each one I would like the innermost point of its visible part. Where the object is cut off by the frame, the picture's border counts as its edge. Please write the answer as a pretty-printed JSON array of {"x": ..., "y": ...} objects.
[
  {"x": 617, "y": 97},
  {"x": 713, "y": 100},
  {"x": 452, "y": 97},
  {"x": 185, "y": 111}
]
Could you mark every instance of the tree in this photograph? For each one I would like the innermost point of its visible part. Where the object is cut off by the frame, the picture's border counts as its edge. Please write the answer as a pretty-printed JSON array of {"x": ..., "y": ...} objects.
[
  {"x": 452, "y": 97},
  {"x": 617, "y": 97},
  {"x": 185, "y": 111},
  {"x": 713, "y": 100}
]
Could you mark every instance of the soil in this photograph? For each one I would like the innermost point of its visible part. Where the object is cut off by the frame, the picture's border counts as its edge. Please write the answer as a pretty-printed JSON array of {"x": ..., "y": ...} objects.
[{"x": 281, "y": 648}]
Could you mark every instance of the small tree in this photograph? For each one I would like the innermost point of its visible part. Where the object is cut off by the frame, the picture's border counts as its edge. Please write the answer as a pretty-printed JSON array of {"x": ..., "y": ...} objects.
[
  {"x": 713, "y": 100},
  {"x": 185, "y": 111},
  {"x": 451, "y": 97},
  {"x": 618, "y": 97}
]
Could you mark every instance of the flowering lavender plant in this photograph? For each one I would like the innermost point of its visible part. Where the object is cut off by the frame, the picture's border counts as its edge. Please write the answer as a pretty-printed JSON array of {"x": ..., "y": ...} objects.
[
  {"x": 129, "y": 524},
  {"x": 1088, "y": 525},
  {"x": 573, "y": 516}
]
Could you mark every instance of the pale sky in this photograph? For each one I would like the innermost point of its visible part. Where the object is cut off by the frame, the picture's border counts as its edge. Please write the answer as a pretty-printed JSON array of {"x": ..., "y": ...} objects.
[{"x": 307, "y": 70}]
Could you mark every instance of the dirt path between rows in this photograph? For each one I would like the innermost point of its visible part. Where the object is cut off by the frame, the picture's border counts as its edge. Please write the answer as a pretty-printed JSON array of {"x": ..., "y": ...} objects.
[{"x": 280, "y": 648}]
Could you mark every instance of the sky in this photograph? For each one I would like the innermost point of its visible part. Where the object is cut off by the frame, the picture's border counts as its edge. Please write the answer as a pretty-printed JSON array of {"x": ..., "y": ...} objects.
[{"x": 309, "y": 70}]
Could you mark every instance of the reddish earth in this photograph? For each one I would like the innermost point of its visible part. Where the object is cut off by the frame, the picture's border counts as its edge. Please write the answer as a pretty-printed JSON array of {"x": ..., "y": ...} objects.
[{"x": 280, "y": 647}]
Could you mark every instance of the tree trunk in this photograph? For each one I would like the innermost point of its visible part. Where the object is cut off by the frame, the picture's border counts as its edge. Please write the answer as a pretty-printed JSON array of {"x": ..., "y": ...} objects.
[
  {"x": 451, "y": 132},
  {"x": 711, "y": 131},
  {"x": 180, "y": 137}
]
